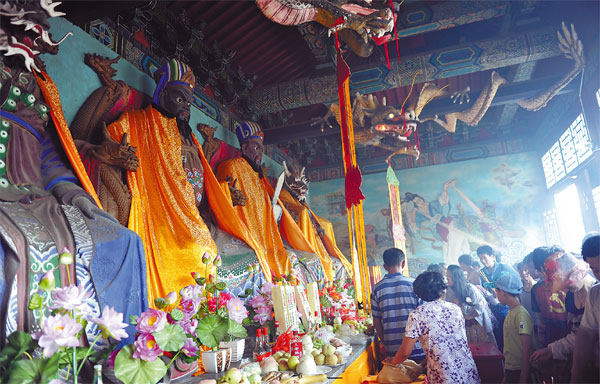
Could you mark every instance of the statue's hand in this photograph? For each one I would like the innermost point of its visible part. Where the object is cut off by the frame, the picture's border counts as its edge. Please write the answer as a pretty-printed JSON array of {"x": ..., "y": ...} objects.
[
  {"x": 72, "y": 194},
  {"x": 121, "y": 154},
  {"x": 461, "y": 96},
  {"x": 237, "y": 195}
]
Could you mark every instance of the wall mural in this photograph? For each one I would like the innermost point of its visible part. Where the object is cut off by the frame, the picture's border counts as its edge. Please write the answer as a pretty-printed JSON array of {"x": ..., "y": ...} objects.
[{"x": 448, "y": 210}]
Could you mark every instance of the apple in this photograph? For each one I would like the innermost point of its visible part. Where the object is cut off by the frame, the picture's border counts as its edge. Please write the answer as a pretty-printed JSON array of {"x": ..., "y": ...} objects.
[
  {"x": 233, "y": 376},
  {"x": 315, "y": 352},
  {"x": 331, "y": 360},
  {"x": 283, "y": 365},
  {"x": 328, "y": 349},
  {"x": 293, "y": 362},
  {"x": 320, "y": 359}
]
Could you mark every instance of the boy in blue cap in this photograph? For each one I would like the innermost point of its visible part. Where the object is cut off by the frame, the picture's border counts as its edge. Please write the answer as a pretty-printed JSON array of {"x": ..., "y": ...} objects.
[{"x": 518, "y": 329}]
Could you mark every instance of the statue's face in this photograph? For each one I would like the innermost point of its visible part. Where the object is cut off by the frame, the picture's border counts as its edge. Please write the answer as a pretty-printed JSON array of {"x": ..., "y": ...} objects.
[
  {"x": 176, "y": 99},
  {"x": 564, "y": 271},
  {"x": 253, "y": 149},
  {"x": 389, "y": 120}
]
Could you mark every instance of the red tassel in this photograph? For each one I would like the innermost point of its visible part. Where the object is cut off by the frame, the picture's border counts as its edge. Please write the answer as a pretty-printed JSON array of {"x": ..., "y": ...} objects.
[
  {"x": 387, "y": 56},
  {"x": 353, "y": 182},
  {"x": 396, "y": 34}
]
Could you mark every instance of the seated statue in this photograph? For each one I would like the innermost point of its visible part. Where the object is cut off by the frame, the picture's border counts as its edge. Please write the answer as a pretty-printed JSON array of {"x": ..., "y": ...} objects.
[{"x": 43, "y": 210}]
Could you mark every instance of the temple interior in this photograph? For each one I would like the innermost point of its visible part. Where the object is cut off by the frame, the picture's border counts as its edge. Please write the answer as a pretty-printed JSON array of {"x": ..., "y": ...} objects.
[{"x": 299, "y": 191}]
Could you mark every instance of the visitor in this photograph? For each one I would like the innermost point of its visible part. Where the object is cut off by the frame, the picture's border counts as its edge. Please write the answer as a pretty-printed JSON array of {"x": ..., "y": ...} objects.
[
  {"x": 440, "y": 328},
  {"x": 564, "y": 271},
  {"x": 586, "y": 357},
  {"x": 525, "y": 297},
  {"x": 392, "y": 300},
  {"x": 518, "y": 329},
  {"x": 436, "y": 268},
  {"x": 490, "y": 272},
  {"x": 478, "y": 317},
  {"x": 467, "y": 264}
]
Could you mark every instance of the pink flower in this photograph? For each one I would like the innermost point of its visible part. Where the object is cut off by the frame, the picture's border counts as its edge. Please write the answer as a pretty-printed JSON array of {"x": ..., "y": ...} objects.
[
  {"x": 70, "y": 298},
  {"x": 189, "y": 307},
  {"x": 266, "y": 288},
  {"x": 189, "y": 325},
  {"x": 258, "y": 301},
  {"x": 58, "y": 331},
  {"x": 191, "y": 292},
  {"x": 224, "y": 297},
  {"x": 190, "y": 348},
  {"x": 237, "y": 310},
  {"x": 111, "y": 323},
  {"x": 263, "y": 314},
  {"x": 171, "y": 298},
  {"x": 151, "y": 321},
  {"x": 146, "y": 348}
]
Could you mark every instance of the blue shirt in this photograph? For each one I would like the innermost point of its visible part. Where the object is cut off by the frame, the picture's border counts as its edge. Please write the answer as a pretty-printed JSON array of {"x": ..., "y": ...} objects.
[
  {"x": 486, "y": 277},
  {"x": 392, "y": 300}
]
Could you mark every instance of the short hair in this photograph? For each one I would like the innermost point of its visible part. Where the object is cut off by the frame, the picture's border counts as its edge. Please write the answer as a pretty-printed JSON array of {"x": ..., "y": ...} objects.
[
  {"x": 540, "y": 254},
  {"x": 590, "y": 247},
  {"x": 485, "y": 249},
  {"x": 466, "y": 259},
  {"x": 436, "y": 268},
  {"x": 429, "y": 286},
  {"x": 393, "y": 257},
  {"x": 519, "y": 266}
]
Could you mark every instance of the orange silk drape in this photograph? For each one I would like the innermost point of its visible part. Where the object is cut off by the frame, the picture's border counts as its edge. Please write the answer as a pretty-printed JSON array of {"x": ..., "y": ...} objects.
[
  {"x": 219, "y": 200},
  {"x": 52, "y": 98},
  {"x": 330, "y": 243},
  {"x": 256, "y": 216},
  {"x": 310, "y": 232},
  {"x": 163, "y": 210}
]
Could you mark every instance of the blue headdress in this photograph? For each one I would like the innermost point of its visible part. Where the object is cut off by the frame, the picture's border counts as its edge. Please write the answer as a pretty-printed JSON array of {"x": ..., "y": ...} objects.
[{"x": 248, "y": 130}]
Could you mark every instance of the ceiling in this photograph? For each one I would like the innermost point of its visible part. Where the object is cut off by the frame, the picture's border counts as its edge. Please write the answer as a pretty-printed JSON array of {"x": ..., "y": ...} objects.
[{"x": 253, "y": 53}]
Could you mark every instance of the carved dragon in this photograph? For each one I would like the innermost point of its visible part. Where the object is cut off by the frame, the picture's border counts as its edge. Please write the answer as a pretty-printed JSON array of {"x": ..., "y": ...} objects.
[
  {"x": 385, "y": 126},
  {"x": 362, "y": 28}
]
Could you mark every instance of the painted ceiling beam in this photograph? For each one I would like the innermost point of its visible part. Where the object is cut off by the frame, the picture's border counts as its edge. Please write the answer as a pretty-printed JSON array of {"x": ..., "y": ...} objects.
[
  {"x": 415, "y": 20},
  {"x": 448, "y": 62},
  {"x": 506, "y": 95}
]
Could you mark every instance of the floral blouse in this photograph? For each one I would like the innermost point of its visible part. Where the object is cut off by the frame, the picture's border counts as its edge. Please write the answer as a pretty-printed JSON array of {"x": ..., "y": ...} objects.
[{"x": 440, "y": 328}]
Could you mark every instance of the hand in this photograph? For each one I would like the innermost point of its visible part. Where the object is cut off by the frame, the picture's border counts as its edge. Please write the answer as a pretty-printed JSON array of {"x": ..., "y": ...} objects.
[
  {"x": 120, "y": 154},
  {"x": 461, "y": 96},
  {"x": 541, "y": 354}
]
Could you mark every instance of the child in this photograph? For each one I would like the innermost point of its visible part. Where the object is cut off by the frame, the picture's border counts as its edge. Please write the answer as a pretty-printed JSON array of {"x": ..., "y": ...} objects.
[{"x": 518, "y": 329}]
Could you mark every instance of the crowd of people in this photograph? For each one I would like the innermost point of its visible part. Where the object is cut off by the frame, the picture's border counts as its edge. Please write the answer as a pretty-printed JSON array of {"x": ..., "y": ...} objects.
[{"x": 543, "y": 315}]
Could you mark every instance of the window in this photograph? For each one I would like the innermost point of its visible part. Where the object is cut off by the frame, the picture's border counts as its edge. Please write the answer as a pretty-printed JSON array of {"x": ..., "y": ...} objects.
[
  {"x": 596, "y": 198},
  {"x": 571, "y": 149},
  {"x": 551, "y": 227},
  {"x": 569, "y": 219}
]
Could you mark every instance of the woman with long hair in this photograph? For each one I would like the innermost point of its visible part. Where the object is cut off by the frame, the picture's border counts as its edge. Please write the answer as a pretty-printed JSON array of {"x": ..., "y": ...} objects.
[{"x": 478, "y": 317}]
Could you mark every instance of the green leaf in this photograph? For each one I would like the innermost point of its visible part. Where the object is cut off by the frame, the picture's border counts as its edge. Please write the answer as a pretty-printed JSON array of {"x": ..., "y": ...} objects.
[
  {"x": 171, "y": 338},
  {"x": 66, "y": 356},
  {"x": 137, "y": 371},
  {"x": 211, "y": 330},
  {"x": 200, "y": 280},
  {"x": 133, "y": 319},
  {"x": 221, "y": 285},
  {"x": 34, "y": 371},
  {"x": 160, "y": 302},
  {"x": 236, "y": 330},
  {"x": 20, "y": 340}
]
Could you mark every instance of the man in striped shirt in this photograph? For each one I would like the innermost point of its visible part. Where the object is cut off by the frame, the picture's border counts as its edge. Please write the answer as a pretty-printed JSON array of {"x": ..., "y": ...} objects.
[{"x": 391, "y": 302}]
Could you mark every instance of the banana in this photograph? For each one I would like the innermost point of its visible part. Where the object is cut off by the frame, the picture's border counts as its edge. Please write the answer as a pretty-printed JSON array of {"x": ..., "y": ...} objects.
[{"x": 305, "y": 379}]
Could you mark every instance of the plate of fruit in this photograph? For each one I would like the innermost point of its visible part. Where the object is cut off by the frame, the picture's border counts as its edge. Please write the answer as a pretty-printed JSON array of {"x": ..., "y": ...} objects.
[{"x": 328, "y": 355}]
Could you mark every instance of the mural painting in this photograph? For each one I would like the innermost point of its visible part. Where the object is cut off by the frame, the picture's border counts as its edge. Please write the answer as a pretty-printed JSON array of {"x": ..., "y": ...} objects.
[{"x": 447, "y": 211}]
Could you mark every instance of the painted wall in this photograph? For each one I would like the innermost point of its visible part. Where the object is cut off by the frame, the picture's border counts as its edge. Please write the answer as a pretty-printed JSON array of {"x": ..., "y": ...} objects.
[
  {"x": 489, "y": 201},
  {"x": 76, "y": 81}
]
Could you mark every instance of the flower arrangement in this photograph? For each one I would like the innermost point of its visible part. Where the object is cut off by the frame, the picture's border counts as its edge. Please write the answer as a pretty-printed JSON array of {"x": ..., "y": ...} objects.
[
  {"x": 64, "y": 314},
  {"x": 199, "y": 317},
  {"x": 337, "y": 300}
]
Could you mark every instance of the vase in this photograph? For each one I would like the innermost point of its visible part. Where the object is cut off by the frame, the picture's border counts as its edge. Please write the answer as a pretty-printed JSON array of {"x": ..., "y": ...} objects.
[
  {"x": 216, "y": 361},
  {"x": 237, "y": 349}
]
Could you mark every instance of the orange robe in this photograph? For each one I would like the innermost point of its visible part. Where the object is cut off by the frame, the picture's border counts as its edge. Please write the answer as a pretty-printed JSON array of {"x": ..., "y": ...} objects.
[
  {"x": 163, "y": 210},
  {"x": 324, "y": 246},
  {"x": 257, "y": 214}
]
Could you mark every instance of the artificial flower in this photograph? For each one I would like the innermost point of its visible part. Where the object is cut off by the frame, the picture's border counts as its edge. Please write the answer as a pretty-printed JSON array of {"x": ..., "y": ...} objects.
[
  {"x": 189, "y": 307},
  {"x": 237, "y": 310},
  {"x": 262, "y": 315},
  {"x": 193, "y": 291},
  {"x": 59, "y": 331},
  {"x": 190, "y": 349},
  {"x": 111, "y": 358},
  {"x": 47, "y": 281},
  {"x": 70, "y": 298},
  {"x": 171, "y": 298},
  {"x": 266, "y": 288},
  {"x": 111, "y": 323},
  {"x": 146, "y": 347},
  {"x": 224, "y": 298},
  {"x": 189, "y": 325},
  {"x": 206, "y": 258},
  {"x": 258, "y": 301},
  {"x": 65, "y": 257},
  {"x": 151, "y": 321}
]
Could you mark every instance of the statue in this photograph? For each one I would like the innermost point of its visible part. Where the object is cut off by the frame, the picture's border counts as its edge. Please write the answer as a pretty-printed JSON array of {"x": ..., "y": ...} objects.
[
  {"x": 318, "y": 231},
  {"x": 43, "y": 210}
]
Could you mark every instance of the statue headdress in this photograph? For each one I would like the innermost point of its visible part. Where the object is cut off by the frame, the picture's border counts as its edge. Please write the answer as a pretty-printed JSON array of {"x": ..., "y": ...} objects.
[
  {"x": 248, "y": 130},
  {"x": 171, "y": 73}
]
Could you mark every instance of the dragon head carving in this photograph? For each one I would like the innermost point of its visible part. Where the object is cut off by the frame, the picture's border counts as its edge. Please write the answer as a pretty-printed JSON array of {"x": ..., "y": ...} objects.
[
  {"x": 297, "y": 182},
  {"x": 24, "y": 30},
  {"x": 388, "y": 119}
]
